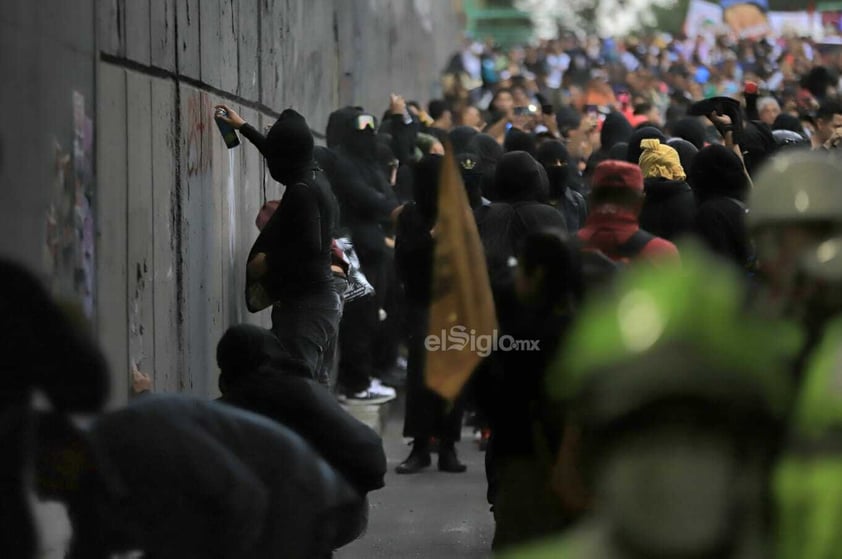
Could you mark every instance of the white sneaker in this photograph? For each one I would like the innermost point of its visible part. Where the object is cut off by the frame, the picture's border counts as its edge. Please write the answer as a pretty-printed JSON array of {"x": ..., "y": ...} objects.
[
  {"x": 379, "y": 389},
  {"x": 366, "y": 397}
]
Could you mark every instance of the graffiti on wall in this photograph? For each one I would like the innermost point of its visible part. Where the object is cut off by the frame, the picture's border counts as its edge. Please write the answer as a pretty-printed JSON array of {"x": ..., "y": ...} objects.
[
  {"x": 198, "y": 131},
  {"x": 70, "y": 241}
]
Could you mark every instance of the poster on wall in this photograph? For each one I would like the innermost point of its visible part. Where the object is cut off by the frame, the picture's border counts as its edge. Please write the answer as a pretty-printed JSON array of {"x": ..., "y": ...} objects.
[
  {"x": 703, "y": 18},
  {"x": 801, "y": 24},
  {"x": 747, "y": 19}
]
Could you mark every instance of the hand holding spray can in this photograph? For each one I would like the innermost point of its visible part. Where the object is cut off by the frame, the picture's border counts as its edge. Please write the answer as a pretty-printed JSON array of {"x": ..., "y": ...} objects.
[{"x": 229, "y": 135}]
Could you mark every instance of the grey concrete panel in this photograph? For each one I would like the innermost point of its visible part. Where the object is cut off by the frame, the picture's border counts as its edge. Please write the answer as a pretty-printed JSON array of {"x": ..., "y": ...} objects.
[
  {"x": 210, "y": 49},
  {"x": 271, "y": 47},
  {"x": 201, "y": 252},
  {"x": 111, "y": 27},
  {"x": 140, "y": 254},
  {"x": 137, "y": 31},
  {"x": 112, "y": 208},
  {"x": 248, "y": 44},
  {"x": 167, "y": 226},
  {"x": 188, "y": 38},
  {"x": 229, "y": 28},
  {"x": 162, "y": 21}
]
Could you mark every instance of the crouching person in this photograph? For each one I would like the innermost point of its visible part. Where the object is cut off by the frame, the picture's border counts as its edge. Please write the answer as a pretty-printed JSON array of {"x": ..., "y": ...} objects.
[
  {"x": 177, "y": 477},
  {"x": 253, "y": 379}
]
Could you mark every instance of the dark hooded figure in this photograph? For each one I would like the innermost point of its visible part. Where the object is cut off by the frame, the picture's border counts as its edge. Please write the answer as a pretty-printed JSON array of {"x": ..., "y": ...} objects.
[
  {"x": 618, "y": 151},
  {"x": 669, "y": 207},
  {"x": 427, "y": 414},
  {"x": 520, "y": 184},
  {"x": 518, "y": 140},
  {"x": 645, "y": 133},
  {"x": 757, "y": 144},
  {"x": 553, "y": 155},
  {"x": 252, "y": 379},
  {"x": 42, "y": 351},
  {"x": 291, "y": 257},
  {"x": 460, "y": 137},
  {"x": 489, "y": 153},
  {"x": 686, "y": 151},
  {"x": 691, "y": 129},
  {"x": 615, "y": 129},
  {"x": 367, "y": 201},
  {"x": 472, "y": 176},
  {"x": 721, "y": 186},
  {"x": 179, "y": 477}
]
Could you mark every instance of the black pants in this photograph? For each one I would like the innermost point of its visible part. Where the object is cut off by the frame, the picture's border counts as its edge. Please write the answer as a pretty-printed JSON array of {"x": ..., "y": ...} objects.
[
  {"x": 427, "y": 414},
  {"x": 307, "y": 325}
]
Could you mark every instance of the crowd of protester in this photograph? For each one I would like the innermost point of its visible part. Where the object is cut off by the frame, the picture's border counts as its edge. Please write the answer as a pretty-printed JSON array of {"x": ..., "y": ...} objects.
[{"x": 661, "y": 215}]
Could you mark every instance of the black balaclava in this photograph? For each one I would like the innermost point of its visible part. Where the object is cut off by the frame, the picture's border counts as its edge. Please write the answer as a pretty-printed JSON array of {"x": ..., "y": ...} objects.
[
  {"x": 518, "y": 140},
  {"x": 690, "y": 129},
  {"x": 486, "y": 148},
  {"x": 360, "y": 143},
  {"x": 289, "y": 147},
  {"x": 645, "y": 133},
  {"x": 460, "y": 137},
  {"x": 619, "y": 151},
  {"x": 615, "y": 129},
  {"x": 717, "y": 171},
  {"x": 425, "y": 187},
  {"x": 518, "y": 177},
  {"x": 338, "y": 125},
  {"x": 472, "y": 177},
  {"x": 489, "y": 153},
  {"x": 686, "y": 152},
  {"x": 553, "y": 155}
]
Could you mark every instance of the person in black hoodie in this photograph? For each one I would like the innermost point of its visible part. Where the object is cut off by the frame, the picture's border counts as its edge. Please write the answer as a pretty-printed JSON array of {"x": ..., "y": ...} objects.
[
  {"x": 489, "y": 153},
  {"x": 291, "y": 257},
  {"x": 555, "y": 159},
  {"x": 251, "y": 379},
  {"x": 367, "y": 202},
  {"x": 615, "y": 129},
  {"x": 686, "y": 151},
  {"x": 526, "y": 427},
  {"x": 669, "y": 207},
  {"x": 426, "y": 413},
  {"x": 690, "y": 128},
  {"x": 43, "y": 350},
  {"x": 721, "y": 185},
  {"x": 522, "y": 188}
]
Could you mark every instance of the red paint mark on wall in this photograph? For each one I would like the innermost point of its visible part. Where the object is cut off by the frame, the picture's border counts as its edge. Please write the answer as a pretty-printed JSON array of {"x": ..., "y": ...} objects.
[{"x": 198, "y": 130}]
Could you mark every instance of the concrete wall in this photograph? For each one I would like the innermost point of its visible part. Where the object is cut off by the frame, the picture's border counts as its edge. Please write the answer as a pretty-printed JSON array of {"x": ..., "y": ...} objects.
[{"x": 133, "y": 83}]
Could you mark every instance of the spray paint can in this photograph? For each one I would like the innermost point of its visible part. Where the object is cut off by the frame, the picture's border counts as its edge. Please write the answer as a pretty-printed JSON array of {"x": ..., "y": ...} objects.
[{"x": 229, "y": 135}]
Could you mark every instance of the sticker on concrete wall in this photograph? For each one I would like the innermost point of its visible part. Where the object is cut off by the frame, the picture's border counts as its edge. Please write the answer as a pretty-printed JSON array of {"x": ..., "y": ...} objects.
[{"x": 70, "y": 241}]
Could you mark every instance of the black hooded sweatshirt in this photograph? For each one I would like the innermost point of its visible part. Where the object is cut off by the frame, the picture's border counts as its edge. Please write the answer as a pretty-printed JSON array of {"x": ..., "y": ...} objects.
[
  {"x": 366, "y": 198},
  {"x": 489, "y": 153},
  {"x": 556, "y": 161},
  {"x": 253, "y": 379},
  {"x": 521, "y": 185},
  {"x": 297, "y": 238},
  {"x": 616, "y": 129},
  {"x": 669, "y": 208},
  {"x": 721, "y": 186}
]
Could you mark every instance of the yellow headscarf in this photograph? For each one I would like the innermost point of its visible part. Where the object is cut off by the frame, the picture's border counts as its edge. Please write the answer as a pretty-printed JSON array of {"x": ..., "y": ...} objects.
[{"x": 658, "y": 160}]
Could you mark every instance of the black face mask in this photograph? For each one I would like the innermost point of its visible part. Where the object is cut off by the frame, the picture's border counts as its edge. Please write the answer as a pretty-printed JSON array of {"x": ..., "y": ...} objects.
[
  {"x": 558, "y": 180},
  {"x": 362, "y": 143}
]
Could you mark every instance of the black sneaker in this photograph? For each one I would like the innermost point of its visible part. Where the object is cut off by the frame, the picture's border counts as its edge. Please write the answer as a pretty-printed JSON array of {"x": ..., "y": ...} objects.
[{"x": 449, "y": 462}]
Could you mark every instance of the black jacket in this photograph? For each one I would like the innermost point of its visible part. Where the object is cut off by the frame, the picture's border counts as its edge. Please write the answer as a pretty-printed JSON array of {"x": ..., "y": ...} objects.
[
  {"x": 669, "y": 208},
  {"x": 305, "y": 407},
  {"x": 190, "y": 478},
  {"x": 297, "y": 238}
]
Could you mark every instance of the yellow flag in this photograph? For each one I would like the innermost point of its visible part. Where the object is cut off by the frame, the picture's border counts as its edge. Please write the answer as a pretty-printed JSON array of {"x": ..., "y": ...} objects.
[{"x": 462, "y": 316}]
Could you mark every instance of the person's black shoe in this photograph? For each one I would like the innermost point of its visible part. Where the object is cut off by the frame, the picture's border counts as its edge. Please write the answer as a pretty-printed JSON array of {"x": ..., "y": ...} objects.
[
  {"x": 449, "y": 462},
  {"x": 418, "y": 459}
]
